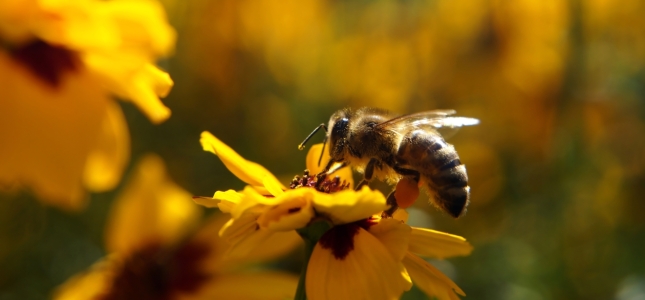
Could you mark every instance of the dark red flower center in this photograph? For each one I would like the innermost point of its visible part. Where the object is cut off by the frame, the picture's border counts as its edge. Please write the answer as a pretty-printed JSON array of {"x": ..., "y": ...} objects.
[
  {"x": 47, "y": 62},
  {"x": 157, "y": 272},
  {"x": 340, "y": 238},
  {"x": 320, "y": 182}
]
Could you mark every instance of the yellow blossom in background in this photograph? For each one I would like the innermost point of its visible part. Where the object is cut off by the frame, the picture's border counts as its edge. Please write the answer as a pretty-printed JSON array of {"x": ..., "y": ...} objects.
[
  {"x": 358, "y": 255},
  {"x": 61, "y": 64},
  {"x": 159, "y": 250}
]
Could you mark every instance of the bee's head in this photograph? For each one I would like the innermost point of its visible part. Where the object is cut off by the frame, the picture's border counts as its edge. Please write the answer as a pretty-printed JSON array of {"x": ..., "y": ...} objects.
[{"x": 337, "y": 134}]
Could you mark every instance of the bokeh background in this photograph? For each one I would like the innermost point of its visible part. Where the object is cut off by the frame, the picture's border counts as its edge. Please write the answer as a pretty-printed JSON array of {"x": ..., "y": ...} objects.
[{"x": 556, "y": 167}]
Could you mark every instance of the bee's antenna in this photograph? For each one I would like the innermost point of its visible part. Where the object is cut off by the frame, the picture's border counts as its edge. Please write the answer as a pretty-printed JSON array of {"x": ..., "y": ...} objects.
[
  {"x": 323, "y": 151},
  {"x": 302, "y": 145}
]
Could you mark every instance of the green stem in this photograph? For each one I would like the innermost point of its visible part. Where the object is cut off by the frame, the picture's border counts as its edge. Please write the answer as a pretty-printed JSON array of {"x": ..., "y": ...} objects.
[
  {"x": 301, "y": 293},
  {"x": 310, "y": 234}
]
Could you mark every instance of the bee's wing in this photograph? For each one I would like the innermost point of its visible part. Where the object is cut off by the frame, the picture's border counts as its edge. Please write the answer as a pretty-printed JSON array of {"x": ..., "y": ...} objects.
[{"x": 439, "y": 120}]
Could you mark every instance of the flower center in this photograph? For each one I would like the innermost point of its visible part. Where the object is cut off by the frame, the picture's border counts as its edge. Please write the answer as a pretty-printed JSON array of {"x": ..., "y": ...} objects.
[
  {"x": 156, "y": 272},
  {"x": 47, "y": 62},
  {"x": 320, "y": 182},
  {"x": 340, "y": 239}
]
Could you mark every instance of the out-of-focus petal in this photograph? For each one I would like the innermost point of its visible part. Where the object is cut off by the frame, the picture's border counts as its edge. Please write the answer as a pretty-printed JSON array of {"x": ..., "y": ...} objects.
[
  {"x": 47, "y": 134},
  {"x": 144, "y": 89},
  {"x": 247, "y": 171},
  {"x": 142, "y": 85},
  {"x": 394, "y": 235},
  {"x": 151, "y": 208},
  {"x": 430, "y": 280},
  {"x": 105, "y": 163},
  {"x": 369, "y": 271},
  {"x": 268, "y": 285},
  {"x": 348, "y": 205},
  {"x": 130, "y": 27},
  {"x": 437, "y": 244}
]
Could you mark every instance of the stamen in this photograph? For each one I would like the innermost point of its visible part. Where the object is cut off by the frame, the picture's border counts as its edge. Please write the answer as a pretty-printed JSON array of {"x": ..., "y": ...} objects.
[{"x": 320, "y": 182}]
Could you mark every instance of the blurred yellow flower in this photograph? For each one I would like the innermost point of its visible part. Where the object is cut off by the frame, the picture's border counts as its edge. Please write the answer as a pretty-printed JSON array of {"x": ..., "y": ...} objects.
[
  {"x": 157, "y": 250},
  {"x": 353, "y": 241},
  {"x": 60, "y": 63}
]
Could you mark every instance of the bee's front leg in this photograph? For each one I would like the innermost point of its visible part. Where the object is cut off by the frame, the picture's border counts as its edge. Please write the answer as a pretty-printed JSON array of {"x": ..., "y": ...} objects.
[{"x": 328, "y": 170}]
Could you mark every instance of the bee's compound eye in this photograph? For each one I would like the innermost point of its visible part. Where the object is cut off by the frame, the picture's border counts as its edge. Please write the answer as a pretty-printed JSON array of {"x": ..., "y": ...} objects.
[{"x": 340, "y": 128}]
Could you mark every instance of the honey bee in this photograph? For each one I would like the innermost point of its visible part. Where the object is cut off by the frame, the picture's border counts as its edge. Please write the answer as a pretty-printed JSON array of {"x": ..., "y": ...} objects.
[{"x": 390, "y": 148}]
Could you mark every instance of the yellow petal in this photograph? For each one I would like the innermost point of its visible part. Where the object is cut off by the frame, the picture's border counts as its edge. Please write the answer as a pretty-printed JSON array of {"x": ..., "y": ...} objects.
[
  {"x": 314, "y": 168},
  {"x": 206, "y": 202},
  {"x": 368, "y": 272},
  {"x": 252, "y": 202},
  {"x": 273, "y": 186},
  {"x": 144, "y": 89},
  {"x": 105, "y": 163},
  {"x": 142, "y": 23},
  {"x": 119, "y": 27},
  {"x": 437, "y": 244},
  {"x": 274, "y": 246},
  {"x": 294, "y": 210},
  {"x": 225, "y": 201},
  {"x": 143, "y": 85},
  {"x": 430, "y": 280},
  {"x": 348, "y": 205},
  {"x": 228, "y": 200},
  {"x": 268, "y": 285},
  {"x": 312, "y": 159},
  {"x": 247, "y": 171},
  {"x": 394, "y": 235},
  {"x": 243, "y": 235},
  {"x": 151, "y": 208},
  {"x": 118, "y": 42}
]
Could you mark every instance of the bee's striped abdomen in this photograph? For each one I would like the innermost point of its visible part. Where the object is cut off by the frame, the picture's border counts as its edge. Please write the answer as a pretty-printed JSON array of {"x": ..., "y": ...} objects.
[{"x": 438, "y": 164}]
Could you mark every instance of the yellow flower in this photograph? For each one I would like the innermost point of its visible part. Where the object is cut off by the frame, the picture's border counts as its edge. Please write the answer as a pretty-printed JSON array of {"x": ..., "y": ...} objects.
[
  {"x": 434, "y": 244},
  {"x": 358, "y": 254},
  {"x": 60, "y": 63},
  {"x": 157, "y": 251}
]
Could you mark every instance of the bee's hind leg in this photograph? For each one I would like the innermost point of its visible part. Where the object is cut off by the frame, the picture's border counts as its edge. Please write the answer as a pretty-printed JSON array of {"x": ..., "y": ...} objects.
[
  {"x": 407, "y": 172},
  {"x": 369, "y": 173},
  {"x": 391, "y": 199}
]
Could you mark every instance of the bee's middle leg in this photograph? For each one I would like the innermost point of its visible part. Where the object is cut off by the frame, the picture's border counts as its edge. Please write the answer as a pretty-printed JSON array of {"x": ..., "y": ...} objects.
[{"x": 369, "y": 173}]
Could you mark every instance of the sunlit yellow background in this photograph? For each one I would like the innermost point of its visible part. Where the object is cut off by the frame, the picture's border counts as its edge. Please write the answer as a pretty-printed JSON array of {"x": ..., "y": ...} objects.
[{"x": 556, "y": 167}]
